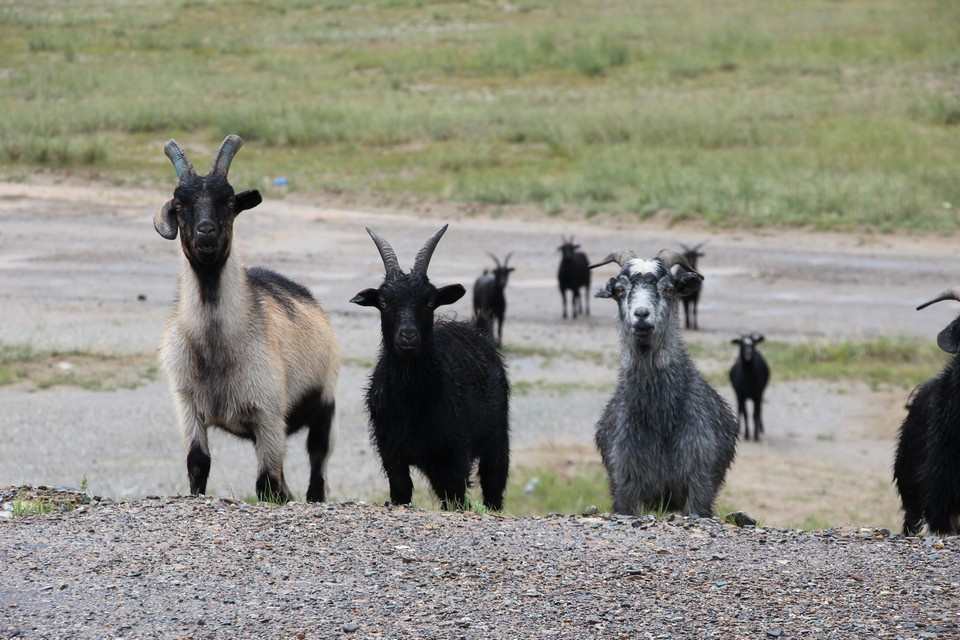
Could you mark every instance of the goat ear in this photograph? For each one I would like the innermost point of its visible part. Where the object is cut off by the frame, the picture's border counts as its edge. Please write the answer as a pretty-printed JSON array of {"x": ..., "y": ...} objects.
[
  {"x": 247, "y": 200},
  {"x": 757, "y": 338},
  {"x": 449, "y": 294},
  {"x": 606, "y": 291},
  {"x": 949, "y": 338},
  {"x": 367, "y": 298},
  {"x": 165, "y": 220},
  {"x": 687, "y": 283},
  {"x": 736, "y": 341}
]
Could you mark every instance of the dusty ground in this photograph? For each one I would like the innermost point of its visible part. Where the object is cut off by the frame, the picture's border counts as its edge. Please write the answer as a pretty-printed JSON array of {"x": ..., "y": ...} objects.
[{"x": 81, "y": 268}]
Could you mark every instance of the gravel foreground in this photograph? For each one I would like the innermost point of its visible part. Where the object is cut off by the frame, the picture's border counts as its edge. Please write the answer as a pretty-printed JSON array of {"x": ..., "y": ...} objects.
[{"x": 206, "y": 567}]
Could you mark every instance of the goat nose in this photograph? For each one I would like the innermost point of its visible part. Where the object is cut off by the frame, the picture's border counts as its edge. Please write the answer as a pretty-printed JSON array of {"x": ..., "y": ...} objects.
[
  {"x": 204, "y": 228},
  {"x": 641, "y": 314}
]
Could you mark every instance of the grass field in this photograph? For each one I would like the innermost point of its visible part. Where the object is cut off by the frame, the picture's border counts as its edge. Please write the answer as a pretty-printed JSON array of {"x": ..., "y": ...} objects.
[{"x": 817, "y": 113}]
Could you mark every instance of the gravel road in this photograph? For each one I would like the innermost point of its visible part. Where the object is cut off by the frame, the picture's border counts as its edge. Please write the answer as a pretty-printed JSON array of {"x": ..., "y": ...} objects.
[{"x": 214, "y": 568}]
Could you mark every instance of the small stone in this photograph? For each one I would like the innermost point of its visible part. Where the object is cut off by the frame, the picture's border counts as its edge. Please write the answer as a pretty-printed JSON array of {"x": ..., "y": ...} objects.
[
  {"x": 351, "y": 627},
  {"x": 591, "y": 511},
  {"x": 774, "y": 633},
  {"x": 740, "y": 519}
]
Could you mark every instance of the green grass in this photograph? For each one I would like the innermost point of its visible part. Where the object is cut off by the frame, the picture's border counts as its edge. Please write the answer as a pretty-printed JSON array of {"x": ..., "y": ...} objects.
[
  {"x": 817, "y": 113},
  {"x": 44, "y": 369},
  {"x": 899, "y": 361}
]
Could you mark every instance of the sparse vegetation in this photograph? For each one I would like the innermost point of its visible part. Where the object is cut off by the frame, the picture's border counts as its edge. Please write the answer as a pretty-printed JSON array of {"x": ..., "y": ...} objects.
[
  {"x": 888, "y": 360},
  {"x": 22, "y": 363},
  {"x": 822, "y": 114}
]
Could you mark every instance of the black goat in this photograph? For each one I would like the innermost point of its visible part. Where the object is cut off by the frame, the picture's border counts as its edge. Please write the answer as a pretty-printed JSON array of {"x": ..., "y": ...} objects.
[
  {"x": 439, "y": 396},
  {"x": 927, "y": 465},
  {"x": 749, "y": 376},
  {"x": 666, "y": 437},
  {"x": 573, "y": 275},
  {"x": 692, "y": 301},
  {"x": 488, "y": 294}
]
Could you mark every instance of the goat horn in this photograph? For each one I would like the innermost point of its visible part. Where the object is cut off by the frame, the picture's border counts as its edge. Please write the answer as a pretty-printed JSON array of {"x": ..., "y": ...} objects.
[
  {"x": 507, "y": 259},
  {"x": 423, "y": 257},
  {"x": 495, "y": 259},
  {"x": 619, "y": 256},
  {"x": 178, "y": 158},
  {"x": 228, "y": 148},
  {"x": 946, "y": 294},
  {"x": 673, "y": 258},
  {"x": 387, "y": 254}
]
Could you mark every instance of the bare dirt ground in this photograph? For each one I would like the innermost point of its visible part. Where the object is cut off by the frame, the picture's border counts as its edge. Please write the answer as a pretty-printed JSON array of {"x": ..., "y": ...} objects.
[{"x": 81, "y": 268}]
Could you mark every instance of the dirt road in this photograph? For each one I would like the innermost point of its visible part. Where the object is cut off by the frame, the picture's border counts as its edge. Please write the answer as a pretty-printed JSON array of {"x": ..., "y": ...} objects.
[{"x": 81, "y": 268}]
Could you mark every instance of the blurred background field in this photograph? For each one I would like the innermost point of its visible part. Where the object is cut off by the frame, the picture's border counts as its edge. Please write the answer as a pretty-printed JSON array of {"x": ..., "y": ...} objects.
[{"x": 829, "y": 115}]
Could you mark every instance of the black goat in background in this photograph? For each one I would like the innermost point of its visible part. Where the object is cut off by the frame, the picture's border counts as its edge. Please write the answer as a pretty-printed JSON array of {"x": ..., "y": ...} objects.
[
  {"x": 749, "y": 376},
  {"x": 438, "y": 397},
  {"x": 573, "y": 275},
  {"x": 692, "y": 301},
  {"x": 488, "y": 296}
]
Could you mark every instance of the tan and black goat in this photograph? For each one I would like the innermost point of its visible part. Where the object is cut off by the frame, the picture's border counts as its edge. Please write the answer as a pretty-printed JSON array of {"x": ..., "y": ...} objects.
[{"x": 245, "y": 349}]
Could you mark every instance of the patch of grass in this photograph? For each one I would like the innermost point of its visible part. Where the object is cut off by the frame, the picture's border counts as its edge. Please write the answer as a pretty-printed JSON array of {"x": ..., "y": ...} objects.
[
  {"x": 33, "y": 507},
  {"x": 22, "y": 363},
  {"x": 832, "y": 116},
  {"x": 889, "y": 360},
  {"x": 542, "y": 491}
]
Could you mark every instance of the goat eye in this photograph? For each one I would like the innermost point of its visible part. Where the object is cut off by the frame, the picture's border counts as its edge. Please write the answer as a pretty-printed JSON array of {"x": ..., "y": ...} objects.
[
  {"x": 383, "y": 305},
  {"x": 618, "y": 290},
  {"x": 668, "y": 290},
  {"x": 231, "y": 203},
  {"x": 431, "y": 304}
]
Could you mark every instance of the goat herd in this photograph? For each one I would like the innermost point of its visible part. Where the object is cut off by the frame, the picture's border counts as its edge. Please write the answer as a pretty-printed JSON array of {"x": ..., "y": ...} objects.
[{"x": 253, "y": 353}]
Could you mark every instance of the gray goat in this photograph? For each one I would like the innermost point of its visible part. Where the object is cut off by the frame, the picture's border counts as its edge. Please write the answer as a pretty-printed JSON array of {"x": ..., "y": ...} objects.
[
  {"x": 666, "y": 437},
  {"x": 246, "y": 350}
]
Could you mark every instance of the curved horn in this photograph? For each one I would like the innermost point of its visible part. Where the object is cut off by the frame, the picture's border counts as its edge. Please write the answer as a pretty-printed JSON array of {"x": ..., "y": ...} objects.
[
  {"x": 423, "y": 257},
  {"x": 947, "y": 294},
  {"x": 387, "y": 254},
  {"x": 673, "y": 258},
  {"x": 178, "y": 158},
  {"x": 496, "y": 260},
  {"x": 507, "y": 259},
  {"x": 228, "y": 148},
  {"x": 619, "y": 256}
]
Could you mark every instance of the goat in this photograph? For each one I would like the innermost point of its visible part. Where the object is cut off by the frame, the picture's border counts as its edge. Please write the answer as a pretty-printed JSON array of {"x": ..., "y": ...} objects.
[
  {"x": 573, "y": 274},
  {"x": 749, "y": 376},
  {"x": 666, "y": 437},
  {"x": 438, "y": 398},
  {"x": 692, "y": 302},
  {"x": 245, "y": 349},
  {"x": 927, "y": 464},
  {"x": 488, "y": 293}
]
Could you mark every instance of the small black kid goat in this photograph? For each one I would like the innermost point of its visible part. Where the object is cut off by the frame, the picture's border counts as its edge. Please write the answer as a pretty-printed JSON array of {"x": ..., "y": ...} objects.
[
  {"x": 927, "y": 465},
  {"x": 749, "y": 376},
  {"x": 439, "y": 396}
]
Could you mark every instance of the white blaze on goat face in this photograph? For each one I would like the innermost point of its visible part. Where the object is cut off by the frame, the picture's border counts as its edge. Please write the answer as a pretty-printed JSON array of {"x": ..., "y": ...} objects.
[{"x": 641, "y": 299}]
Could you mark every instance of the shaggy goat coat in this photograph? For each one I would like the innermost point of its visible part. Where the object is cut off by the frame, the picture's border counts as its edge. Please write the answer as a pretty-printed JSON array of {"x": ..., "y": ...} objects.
[{"x": 666, "y": 437}]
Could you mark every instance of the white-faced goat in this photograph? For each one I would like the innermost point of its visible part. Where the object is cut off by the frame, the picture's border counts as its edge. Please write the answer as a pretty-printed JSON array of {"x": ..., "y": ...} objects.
[
  {"x": 691, "y": 303},
  {"x": 438, "y": 398},
  {"x": 749, "y": 376},
  {"x": 488, "y": 295},
  {"x": 246, "y": 350},
  {"x": 573, "y": 275},
  {"x": 927, "y": 465},
  {"x": 666, "y": 437}
]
